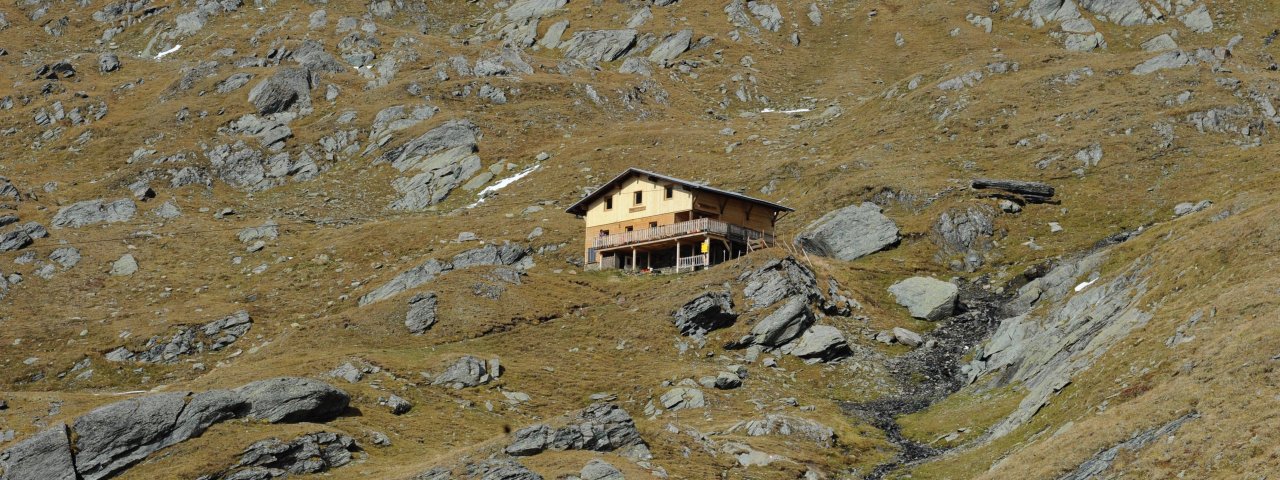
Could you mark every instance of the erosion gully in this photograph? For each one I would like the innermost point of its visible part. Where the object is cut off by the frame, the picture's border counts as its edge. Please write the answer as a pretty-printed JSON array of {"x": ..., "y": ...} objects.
[{"x": 929, "y": 375}]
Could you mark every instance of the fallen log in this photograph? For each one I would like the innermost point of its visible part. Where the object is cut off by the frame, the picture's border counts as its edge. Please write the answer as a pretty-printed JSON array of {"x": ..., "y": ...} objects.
[{"x": 1035, "y": 189}]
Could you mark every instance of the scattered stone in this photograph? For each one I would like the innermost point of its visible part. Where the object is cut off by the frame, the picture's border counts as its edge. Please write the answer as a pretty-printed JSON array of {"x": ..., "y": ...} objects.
[
  {"x": 108, "y": 62},
  {"x": 125, "y": 266},
  {"x": 849, "y": 233},
  {"x": 347, "y": 372},
  {"x": 1187, "y": 208},
  {"x": 681, "y": 398},
  {"x": 397, "y": 405},
  {"x": 787, "y": 425},
  {"x": 598, "y": 469},
  {"x": 189, "y": 340},
  {"x": 268, "y": 231},
  {"x": 907, "y": 337},
  {"x": 925, "y": 297}
]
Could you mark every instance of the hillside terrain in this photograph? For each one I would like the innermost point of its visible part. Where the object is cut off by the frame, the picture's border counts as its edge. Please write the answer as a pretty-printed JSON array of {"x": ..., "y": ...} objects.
[{"x": 251, "y": 240}]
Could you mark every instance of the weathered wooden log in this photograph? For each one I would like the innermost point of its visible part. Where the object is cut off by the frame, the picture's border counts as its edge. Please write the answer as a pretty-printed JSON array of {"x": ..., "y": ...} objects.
[{"x": 1015, "y": 186}]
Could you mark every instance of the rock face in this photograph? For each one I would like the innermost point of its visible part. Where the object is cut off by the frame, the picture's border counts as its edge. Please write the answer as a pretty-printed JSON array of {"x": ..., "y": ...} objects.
[
  {"x": 707, "y": 312},
  {"x": 925, "y": 297},
  {"x": 849, "y": 233},
  {"x": 422, "y": 313},
  {"x": 467, "y": 372},
  {"x": 595, "y": 46},
  {"x": 44, "y": 455},
  {"x": 1043, "y": 352},
  {"x": 601, "y": 427},
  {"x": 967, "y": 233},
  {"x": 784, "y": 324},
  {"x": 1097, "y": 466},
  {"x": 308, "y": 454},
  {"x": 443, "y": 159},
  {"x": 291, "y": 399},
  {"x": 92, "y": 212},
  {"x": 277, "y": 93}
]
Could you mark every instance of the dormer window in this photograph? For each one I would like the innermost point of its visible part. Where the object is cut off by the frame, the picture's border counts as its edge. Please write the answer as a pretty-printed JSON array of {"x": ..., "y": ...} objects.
[{"x": 639, "y": 198}]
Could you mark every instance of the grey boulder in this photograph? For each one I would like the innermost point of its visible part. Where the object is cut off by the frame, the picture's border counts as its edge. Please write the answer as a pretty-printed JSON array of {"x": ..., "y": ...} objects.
[
  {"x": 422, "y": 313},
  {"x": 707, "y": 312},
  {"x": 467, "y": 371},
  {"x": 671, "y": 47},
  {"x": 849, "y": 233},
  {"x": 784, "y": 324},
  {"x": 92, "y": 212},
  {"x": 821, "y": 342},
  {"x": 600, "y": 470},
  {"x": 286, "y": 88},
  {"x": 926, "y": 298},
  {"x": 292, "y": 399},
  {"x": 594, "y": 46},
  {"x": 44, "y": 455}
]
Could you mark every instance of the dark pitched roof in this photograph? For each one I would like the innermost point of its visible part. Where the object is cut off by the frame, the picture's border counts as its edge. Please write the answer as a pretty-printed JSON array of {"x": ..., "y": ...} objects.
[{"x": 580, "y": 208}]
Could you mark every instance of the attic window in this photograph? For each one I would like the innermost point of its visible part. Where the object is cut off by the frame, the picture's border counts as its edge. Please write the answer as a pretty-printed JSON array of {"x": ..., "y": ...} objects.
[
  {"x": 639, "y": 198},
  {"x": 670, "y": 191},
  {"x": 608, "y": 203}
]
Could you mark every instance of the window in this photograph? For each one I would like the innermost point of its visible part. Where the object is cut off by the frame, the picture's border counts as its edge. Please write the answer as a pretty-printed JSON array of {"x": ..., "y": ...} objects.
[
  {"x": 653, "y": 224},
  {"x": 608, "y": 203},
  {"x": 639, "y": 198},
  {"x": 629, "y": 228},
  {"x": 670, "y": 191},
  {"x": 604, "y": 233}
]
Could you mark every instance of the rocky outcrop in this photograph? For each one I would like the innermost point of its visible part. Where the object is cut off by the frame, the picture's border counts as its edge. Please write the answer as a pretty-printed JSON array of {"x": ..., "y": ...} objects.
[
  {"x": 595, "y": 46},
  {"x": 598, "y": 469},
  {"x": 1043, "y": 352},
  {"x": 777, "y": 280},
  {"x": 601, "y": 427},
  {"x": 671, "y": 47},
  {"x": 114, "y": 437},
  {"x": 507, "y": 254},
  {"x": 925, "y": 297},
  {"x": 422, "y": 313},
  {"x": 443, "y": 159},
  {"x": 681, "y": 398},
  {"x": 274, "y": 458},
  {"x": 189, "y": 340},
  {"x": 966, "y": 233},
  {"x": 849, "y": 233},
  {"x": 92, "y": 212},
  {"x": 286, "y": 88},
  {"x": 1098, "y": 465},
  {"x": 787, "y": 425},
  {"x": 707, "y": 312}
]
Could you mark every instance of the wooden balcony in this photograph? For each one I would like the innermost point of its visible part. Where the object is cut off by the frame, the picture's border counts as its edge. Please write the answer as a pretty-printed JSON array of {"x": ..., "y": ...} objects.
[{"x": 690, "y": 228}]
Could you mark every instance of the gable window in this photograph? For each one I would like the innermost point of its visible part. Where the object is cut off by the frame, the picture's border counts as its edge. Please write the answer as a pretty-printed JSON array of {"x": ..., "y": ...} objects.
[
  {"x": 639, "y": 198},
  {"x": 608, "y": 203},
  {"x": 670, "y": 191}
]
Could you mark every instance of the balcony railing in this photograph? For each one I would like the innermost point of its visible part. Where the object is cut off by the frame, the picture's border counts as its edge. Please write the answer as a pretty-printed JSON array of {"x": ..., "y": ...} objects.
[{"x": 681, "y": 229}]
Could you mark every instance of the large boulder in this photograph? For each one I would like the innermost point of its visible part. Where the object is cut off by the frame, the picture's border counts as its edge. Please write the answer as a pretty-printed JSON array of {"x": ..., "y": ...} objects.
[
  {"x": 292, "y": 399},
  {"x": 680, "y": 398},
  {"x": 408, "y": 279},
  {"x": 849, "y": 233},
  {"x": 310, "y": 453},
  {"x": 114, "y": 437},
  {"x": 784, "y": 324},
  {"x": 601, "y": 427},
  {"x": 925, "y": 297},
  {"x": 92, "y": 212},
  {"x": 598, "y": 469},
  {"x": 45, "y": 455},
  {"x": 671, "y": 47},
  {"x": 286, "y": 88},
  {"x": 530, "y": 440},
  {"x": 821, "y": 342},
  {"x": 778, "y": 280},
  {"x": 707, "y": 312}
]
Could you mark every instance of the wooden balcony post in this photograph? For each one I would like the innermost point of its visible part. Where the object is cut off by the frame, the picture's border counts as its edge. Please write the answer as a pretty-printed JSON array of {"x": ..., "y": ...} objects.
[{"x": 633, "y": 259}]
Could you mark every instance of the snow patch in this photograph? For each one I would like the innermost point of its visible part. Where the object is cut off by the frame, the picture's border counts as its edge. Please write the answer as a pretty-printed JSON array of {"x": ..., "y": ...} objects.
[
  {"x": 489, "y": 190},
  {"x": 166, "y": 52}
]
